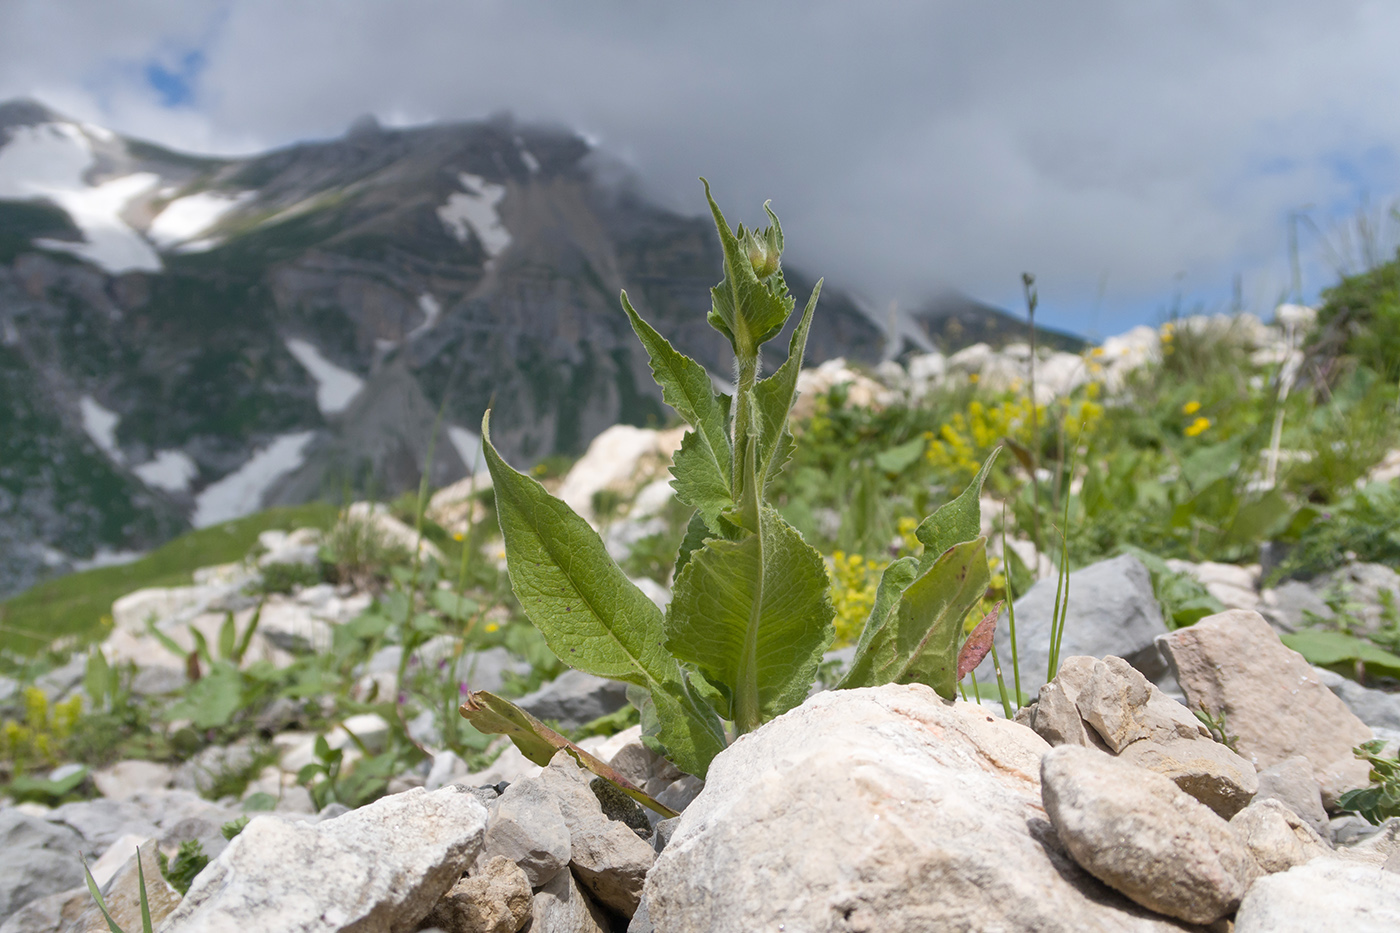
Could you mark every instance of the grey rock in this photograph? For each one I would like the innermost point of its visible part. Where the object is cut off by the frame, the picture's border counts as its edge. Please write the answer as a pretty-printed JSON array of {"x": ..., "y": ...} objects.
[
  {"x": 1112, "y": 610},
  {"x": 1292, "y": 606},
  {"x": 488, "y": 669},
  {"x": 1233, "y": 664},
  {"x": 1327, "y": 895},
  {"x": 574, "y": 699},
  {"x": 618, "y": 806},
  {"x": 101, "y": 822},
  {"x": 37, "y": 858},
  {"x": 158, "y": 680},
  {"x": 680, "y": 793},
  {"x": 1349, "y": 830},
  {"x": 380, "y": 867},
  {"x": 883, "y": 808},
  {"x": 611, "y": 862},
  {"x": 562, "y": 907},
  {"x": 495, "y": 899},
  {"x": 1376, "y": 708},
  {"x": 52, "y": 913},
  {"x": 527, "y": 827},
  {"x": 640, "y": 923},
  {"x": 447, "y": 768},
  {"x": 60, "y": 681},
  {"x": 202, "y": 773},
  {"x": 1361, "y": 584},
  {"x": 1143, "y": 836},
  {"x": 129, "y": 778},
  {"x": 661, "y": 833},
  {"x": 1292, "y": 784},
  {"x": 1277, "y": 837}
]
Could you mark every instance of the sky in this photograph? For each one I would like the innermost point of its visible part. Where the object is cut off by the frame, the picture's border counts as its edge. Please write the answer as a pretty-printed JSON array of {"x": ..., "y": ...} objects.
[{"x": 1138, "y": 157}]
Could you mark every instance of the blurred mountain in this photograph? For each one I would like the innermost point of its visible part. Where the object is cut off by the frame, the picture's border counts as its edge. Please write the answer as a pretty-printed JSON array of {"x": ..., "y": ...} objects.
[
  {"x": 952, "y": 321},
  {"x": 186, "y": 339}
]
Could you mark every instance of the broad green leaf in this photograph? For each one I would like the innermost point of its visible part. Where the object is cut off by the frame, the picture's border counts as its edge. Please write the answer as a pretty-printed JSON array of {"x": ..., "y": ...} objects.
[
  {"x": 773, "y": 396},
  {"x": 228, "y": 637},
  {"x": 743, "y": 303},
  {"x": 212, "y": 700},
  {"x": 957, "y": 521},
  {"x": 97, "y": 677},
  {"x": 699, "y": 481},
  {"x": 591, "y": 615},
  {"x": 1322, "y": 647},
  {"x": 497, "y": 716},
  {"x": 754, "y": 617},
  {"x": 919, "y": 641},
  {"x": 900, "y": 458},
  {"x": 893, "y": 582},
  {"x": 241, "y": 649}
]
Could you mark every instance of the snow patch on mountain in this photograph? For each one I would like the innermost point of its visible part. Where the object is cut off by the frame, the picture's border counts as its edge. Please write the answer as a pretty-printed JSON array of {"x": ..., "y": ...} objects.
[
  {"x": 101, "y": 425},
  {"x": 474, "y": 211},
  {"x": 468, "y": 446},
  {"x": 241, "y": 492},
  {"x": 171, "y": 470},
  {"x": 185, "y": 218},
  {"x": 335, "y": 387},
  {"x": 48, "y": 161},
  {"x": 431, "y": 312}
]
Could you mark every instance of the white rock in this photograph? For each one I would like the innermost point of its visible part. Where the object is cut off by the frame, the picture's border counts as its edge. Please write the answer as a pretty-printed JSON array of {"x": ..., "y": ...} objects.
[
  {"x": 1327, "y": 895},
  {"x": 1235, "y": 587},
  {"x": 376, "y": 516},
  {"x": 885, "y": 808},
  {"x": 381, "y": 867},
  {"x": 621, "y": 459},
  {"x": 129, "y": 778}
]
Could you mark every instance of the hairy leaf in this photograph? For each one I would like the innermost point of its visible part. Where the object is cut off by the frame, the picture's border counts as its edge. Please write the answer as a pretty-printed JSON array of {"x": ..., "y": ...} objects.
[
  {"x": 590, "y": 614},
  {"x": 700, "y": 481},
  {"x": 957, "y": 521},
  {"x": 918, "y": 641},
  {"x": 754, "y": 617},
  {"x": 773, "y": 396},
  {"x": 743, "y": 303}
]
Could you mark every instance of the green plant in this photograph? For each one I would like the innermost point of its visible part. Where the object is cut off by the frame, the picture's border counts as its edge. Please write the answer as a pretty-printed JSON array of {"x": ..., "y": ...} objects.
[
  {"x": 750, "y": 615},
  {"x": 37, "y": 740},
  {"x": 1381, "y": 800},
  {"x": 180, "y": 871},
  {"x": 1218, "y": 728},
  {"x": 284, "y": 578},
  {"x": 233, "y": 827}
]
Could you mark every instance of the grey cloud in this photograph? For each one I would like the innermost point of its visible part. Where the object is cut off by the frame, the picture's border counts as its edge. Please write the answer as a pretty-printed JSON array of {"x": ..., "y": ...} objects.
[{"x": 907, "y": 146}]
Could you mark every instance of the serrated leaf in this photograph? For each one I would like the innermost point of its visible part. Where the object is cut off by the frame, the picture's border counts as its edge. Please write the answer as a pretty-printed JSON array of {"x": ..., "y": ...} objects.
[
  {"x": 773, "y": 396},
  {"x": 754, "y": 617},
  {"x": 591, "y": 615},
  {"x": 699, "y": 481},
  {"x": 742, "y": 303},
  {"x": 695, "y": 534},
  {"x": 957, "y": 521},
  {"x": 918, "y": 642},
  {"x": 495, "y": 715}
]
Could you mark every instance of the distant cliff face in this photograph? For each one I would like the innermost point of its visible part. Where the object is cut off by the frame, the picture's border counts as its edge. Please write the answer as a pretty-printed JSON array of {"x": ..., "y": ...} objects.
[{"x": 184, "y": 340}]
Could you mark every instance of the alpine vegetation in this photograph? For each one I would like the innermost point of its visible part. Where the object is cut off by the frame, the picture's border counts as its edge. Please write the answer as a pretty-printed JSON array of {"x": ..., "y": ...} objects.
[{"x": 751, "y": 614}]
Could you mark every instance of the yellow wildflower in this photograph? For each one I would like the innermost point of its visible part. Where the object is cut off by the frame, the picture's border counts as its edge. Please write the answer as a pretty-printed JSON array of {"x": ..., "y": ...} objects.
[
  {"x": 1190, "y": 408},
  {"x": 1197, "y": 427}
]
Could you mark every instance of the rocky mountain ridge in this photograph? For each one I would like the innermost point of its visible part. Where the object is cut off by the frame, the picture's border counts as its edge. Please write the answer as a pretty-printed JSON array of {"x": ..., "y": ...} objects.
[{"x": 186, "y": 339}]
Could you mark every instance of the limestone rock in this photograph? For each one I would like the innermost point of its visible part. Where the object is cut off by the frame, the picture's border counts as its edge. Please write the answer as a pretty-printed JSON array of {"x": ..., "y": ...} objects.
[
  {"x": 1291, "y": 783},
  {"x": 37, "y": 858},
  {"x": 1233, "y": 663},
  {"x": 527, "y": 828},
  {"x": 574, "y": 699},
  {"x": 129, "y": 778},
  {"x": 562, "y": 907},
  {"x": 1277, "y": 837},
  {"x": 606, "y": 855},
  {"x": 1112, "y": 610},
  {"x": 52, "y": 913},
  {"x": 881, "y": 808},
  {"x": 381, "y": 867},
  {"x": 1142, "y": 835},
  {"x": 496, "y": 899},
  {"x": 1327, "y": 895}
]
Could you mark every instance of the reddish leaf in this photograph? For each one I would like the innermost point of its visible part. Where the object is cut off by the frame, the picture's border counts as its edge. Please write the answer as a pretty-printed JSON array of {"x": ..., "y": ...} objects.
[{"x": 979, "y": 643}]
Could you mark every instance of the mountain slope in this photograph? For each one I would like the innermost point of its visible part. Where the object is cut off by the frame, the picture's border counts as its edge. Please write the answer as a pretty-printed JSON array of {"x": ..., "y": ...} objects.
[{"x": 187, "y": 339}]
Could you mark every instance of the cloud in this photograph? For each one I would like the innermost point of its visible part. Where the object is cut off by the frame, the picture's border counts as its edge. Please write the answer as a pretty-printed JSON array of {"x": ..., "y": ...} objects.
[{"x": 1123, "y": 152}]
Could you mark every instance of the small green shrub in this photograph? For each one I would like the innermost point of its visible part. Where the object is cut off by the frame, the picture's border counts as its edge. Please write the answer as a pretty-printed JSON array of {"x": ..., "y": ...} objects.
[
  {"x": 286, "y": 578},
  {"x": 180, "y": 871},
  {"x": 1381, "y": 800}
]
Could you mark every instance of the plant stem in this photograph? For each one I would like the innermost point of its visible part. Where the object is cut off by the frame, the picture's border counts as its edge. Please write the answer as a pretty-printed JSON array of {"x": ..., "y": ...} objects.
[{"x": 1032, "y": 299}]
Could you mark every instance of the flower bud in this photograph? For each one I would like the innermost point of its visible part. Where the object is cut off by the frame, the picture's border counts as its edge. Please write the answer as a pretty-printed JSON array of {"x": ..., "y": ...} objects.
[{"x": 762, "y": 257}]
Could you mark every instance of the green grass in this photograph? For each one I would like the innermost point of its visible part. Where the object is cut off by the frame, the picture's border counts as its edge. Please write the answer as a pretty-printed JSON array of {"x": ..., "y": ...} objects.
[{"x": 74, "y": 605}]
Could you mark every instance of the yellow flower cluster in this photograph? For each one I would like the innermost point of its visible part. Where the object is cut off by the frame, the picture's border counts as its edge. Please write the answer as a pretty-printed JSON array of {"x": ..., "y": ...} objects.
[
  {"x": 854, "y": 580},
  {"x": 1197, "y": 427},
  {"x": 36, "y": 741},
  {"x": 963, "y": 443}
]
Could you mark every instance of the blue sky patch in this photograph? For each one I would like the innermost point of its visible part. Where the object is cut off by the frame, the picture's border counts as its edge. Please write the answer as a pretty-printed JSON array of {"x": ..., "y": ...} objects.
[{"x": 175, "y": 86}]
